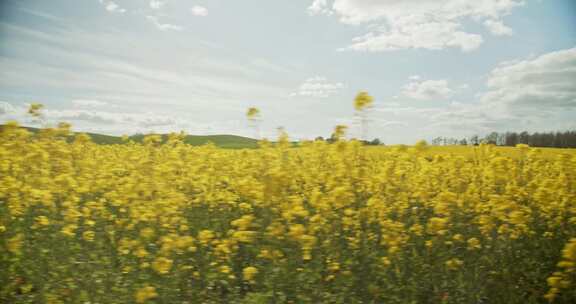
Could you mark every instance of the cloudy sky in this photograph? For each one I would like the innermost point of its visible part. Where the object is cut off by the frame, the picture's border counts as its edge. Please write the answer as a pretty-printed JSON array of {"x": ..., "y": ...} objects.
[{"x": 435, "y": 67}]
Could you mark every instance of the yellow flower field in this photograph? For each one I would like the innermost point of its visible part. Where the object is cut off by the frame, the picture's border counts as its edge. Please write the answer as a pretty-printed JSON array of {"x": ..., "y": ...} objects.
[{"x": 320, "y": 223}]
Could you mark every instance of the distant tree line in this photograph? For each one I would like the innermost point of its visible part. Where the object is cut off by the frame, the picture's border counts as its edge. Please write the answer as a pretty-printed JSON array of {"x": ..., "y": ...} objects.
[
  {"x": 333, "y": 138},
  {"x": 566, "y": 139}
]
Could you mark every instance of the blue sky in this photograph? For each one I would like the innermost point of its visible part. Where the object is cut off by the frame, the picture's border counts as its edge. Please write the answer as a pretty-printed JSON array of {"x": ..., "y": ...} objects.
[{"x": 435, "y": 67}]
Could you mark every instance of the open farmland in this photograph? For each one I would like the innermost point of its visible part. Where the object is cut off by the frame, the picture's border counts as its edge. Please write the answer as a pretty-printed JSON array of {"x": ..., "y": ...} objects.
[
  {"x": 320, "y": 223},
  {"x": 287, "y": 152}
]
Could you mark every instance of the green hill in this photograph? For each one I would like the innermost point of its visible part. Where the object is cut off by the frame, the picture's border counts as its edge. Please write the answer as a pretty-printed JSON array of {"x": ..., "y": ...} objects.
[{"x": 222, "y": 141}]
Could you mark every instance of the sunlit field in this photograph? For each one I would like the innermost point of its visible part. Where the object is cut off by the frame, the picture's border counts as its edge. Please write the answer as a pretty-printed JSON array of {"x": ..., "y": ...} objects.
[{"x": 317, "y": 223}]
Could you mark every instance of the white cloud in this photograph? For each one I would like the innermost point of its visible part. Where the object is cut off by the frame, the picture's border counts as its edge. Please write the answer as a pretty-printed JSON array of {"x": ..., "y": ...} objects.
[
  {"x": 535, "y": 94},
  {"x": 427, "y": 89},
  {"x": 92, "y": 103},
  {"x": 318, "y": 87},
  {"x": 19, "y": 113},
  {"x": 112, "y": 6},
  {"x": 199, "y": 11},
  {"x": 402, "y": 111},
  {"x": 157, "y": 4},
  {"x": 131, "y": 121},
  {"x": 498, "y": 28},
  {"x": 390, "y": 123},
  {"x": 98, "y": 117},
  {"x": 319, "y": 7},
  {"x": 420, "y": 24},
  {"x": 430, "y": 35},
  {"x": 361, "y": 11},
  {"x": 546, "y": 81},
  {"x": 163, "y": 26},
  {"x": 169, "y": 79},
  {"x": 116, "y": 123},
  {"x": 6, "y": 108}
]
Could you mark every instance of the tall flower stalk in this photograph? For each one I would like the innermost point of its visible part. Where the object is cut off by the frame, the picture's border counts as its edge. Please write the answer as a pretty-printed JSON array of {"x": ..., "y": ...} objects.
[
  {"x": 254, "y": 119},
  {"x": 362, "y": 103}
]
